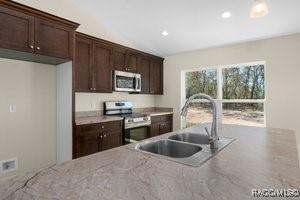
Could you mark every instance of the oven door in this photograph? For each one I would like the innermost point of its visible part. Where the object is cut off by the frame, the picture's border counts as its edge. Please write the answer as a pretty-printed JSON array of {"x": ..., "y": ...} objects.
[
  {"x": 124, "y": 81},
  {"x": 136, "y": 134}
]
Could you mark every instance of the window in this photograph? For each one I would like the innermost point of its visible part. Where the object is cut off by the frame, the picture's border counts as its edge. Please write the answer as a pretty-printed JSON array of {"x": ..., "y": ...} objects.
[{"x": 238, "y": 89}]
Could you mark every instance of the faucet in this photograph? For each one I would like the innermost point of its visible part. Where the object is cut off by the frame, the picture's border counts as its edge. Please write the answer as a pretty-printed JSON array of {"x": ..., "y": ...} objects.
[{"x": 213, "y": 135}]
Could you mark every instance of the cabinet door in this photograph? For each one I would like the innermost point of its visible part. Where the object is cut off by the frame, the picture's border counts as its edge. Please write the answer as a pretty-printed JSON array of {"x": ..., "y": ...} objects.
[
  {"x": 102, "y": 72},
  {"x": 131, "y": 62},
  {"x": 87, "y": 140},
  {"x": 143, "y": 68},
  {"x": 154, "y": 130},
  {"x": 119, "y": 59},
  {"x": 111, "y": 140},
  {"x": 83, "y": 64},
  {"x": 165, "y": 127},
  {"x": 52, "y": 39},
  {"x": 16, "y": 30},
  {"x": 156, "y": 77}
]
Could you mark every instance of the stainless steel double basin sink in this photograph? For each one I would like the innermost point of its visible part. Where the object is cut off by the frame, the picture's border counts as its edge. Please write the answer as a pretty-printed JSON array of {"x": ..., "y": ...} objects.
[{"x": 187, "y": 148}]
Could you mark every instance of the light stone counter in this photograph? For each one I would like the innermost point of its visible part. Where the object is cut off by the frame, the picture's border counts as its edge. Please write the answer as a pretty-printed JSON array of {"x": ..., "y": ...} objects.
[
  {"x": 157, "y": 113},
  {"x": 98, "y": 119},
  {"x": 258, "y": 158}
]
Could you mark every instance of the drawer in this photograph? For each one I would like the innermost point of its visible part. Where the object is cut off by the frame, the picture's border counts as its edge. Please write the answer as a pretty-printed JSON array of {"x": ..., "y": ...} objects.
[
  {"x": 161, "y": 118},
  {"x": 111, "y": 126},
  {"x": 87, "y": 128}
]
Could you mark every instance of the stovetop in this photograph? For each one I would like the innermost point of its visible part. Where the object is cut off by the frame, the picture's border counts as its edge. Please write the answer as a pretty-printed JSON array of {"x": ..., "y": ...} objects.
[{"x": 133, "y": 115}]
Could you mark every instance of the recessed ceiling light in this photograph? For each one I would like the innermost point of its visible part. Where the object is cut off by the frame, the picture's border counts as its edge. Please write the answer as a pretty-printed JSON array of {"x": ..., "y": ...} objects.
[
  {"x": 226, "y": 14},
  {"x": 259, "y": 9},
  {"x": 165, "y": 33}
]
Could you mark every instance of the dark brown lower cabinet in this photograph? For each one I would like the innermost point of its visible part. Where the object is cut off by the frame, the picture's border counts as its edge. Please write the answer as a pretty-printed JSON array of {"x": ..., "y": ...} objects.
[
  {"x": 111, "y": 140},
  {"x": 161, "y": 124},
  {"x": 86, "y": 140},
  {"x": 92, "y": 138}
]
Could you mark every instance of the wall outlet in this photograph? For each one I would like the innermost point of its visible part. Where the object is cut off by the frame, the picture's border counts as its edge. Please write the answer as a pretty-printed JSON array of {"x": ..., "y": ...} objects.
[
  {"x": 12, "y": 108},
  {"x": 9, "y": 165}
]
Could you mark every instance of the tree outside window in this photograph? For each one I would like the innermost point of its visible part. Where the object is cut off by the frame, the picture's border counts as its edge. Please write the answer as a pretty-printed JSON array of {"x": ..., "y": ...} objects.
[{"x": 240, "y": 89}]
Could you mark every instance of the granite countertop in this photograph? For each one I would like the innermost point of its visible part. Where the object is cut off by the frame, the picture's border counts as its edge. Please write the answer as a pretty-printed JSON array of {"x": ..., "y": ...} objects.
[
  {"x": 258, "y": 158},
  {"x": 96, "y": 119},
  {"x": 157, "y": 113}
]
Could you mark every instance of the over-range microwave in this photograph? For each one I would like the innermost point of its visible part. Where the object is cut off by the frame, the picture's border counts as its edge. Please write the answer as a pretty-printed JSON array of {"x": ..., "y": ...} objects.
[{"x": 126, "y": 81}]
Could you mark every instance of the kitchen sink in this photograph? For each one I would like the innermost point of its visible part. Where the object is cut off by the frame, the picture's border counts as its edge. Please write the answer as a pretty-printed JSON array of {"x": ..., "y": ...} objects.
[
  {"x": 170, "y": 148},
  {"x": 186, "y": 148},
  {"x": 191, "y": 138}
]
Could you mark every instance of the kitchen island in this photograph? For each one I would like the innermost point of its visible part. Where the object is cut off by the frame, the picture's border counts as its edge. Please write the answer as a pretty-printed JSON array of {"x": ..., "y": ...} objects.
[{"x": 258, "y": 158}]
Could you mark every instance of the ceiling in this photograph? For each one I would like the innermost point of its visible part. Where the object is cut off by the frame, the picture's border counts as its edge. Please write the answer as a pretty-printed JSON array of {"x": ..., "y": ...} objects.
[{"x": 192, "y": 24}]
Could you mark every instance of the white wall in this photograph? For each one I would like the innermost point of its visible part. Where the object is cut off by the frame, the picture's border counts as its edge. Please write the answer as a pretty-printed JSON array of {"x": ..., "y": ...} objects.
[
  {"x": 283, "y": 70},
  {"x": 93, "y": 102},
  {"x": 30, "y": 133},
  {"x": 64, "y": 112}
]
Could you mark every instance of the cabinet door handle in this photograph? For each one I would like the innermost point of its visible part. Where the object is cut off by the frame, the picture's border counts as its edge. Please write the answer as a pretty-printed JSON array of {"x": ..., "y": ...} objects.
[
  {"x": 31, "y": 46},
  {"x": 101, "y": 136},
  {"x": 91, "y": 89},
  {"x": 94, "y": 89},
  {"x": 38, "y": 48},
  {"x": 105, "y": 136},
  {"x": 102, "y": 127}
]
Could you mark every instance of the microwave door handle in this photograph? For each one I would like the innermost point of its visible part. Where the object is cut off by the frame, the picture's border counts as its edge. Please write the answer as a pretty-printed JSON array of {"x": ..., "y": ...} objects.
[
  {"x": 134, "y": 83},
  {"x": 137, "y": 83}
]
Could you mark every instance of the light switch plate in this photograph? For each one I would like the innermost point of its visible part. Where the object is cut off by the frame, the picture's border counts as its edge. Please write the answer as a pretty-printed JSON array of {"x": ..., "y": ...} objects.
[{"x": 12, "y": 108}]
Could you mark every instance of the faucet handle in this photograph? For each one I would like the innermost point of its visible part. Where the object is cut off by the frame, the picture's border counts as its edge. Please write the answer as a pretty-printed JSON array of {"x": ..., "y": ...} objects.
[
  {"x": 207, "y": 132},
  {"x": 210, "y": 139}
]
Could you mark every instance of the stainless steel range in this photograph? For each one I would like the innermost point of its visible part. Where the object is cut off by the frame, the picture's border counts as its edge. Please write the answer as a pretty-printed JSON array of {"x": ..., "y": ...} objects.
[{"x": 136, "y": 125}]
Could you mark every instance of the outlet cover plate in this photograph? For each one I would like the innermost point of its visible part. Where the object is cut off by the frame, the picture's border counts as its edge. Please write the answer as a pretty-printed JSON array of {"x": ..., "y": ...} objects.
[{"x": 8, "y": 165}]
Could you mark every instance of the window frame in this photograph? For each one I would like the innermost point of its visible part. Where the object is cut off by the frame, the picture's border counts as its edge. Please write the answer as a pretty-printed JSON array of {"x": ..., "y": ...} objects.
[{"x": 220, "y": 99}]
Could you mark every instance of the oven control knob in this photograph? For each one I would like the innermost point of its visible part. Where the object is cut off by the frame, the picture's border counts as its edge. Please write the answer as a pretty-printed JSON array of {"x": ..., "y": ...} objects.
[
  {"x": 130, "y": 120},
  {"x": 145, "y": 118}
]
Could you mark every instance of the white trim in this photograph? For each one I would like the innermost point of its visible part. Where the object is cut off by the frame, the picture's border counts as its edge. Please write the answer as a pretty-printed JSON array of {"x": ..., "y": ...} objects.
[
  {"x": 182, "y": 95},
  {"x": 225, "y": 66},
  {"x": 220, "y": 99},
  {"x": 243, "y": 100}
]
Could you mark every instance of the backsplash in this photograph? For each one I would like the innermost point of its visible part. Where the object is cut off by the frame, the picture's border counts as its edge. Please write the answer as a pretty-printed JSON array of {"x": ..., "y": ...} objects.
[{"x": 94, "y": 101}]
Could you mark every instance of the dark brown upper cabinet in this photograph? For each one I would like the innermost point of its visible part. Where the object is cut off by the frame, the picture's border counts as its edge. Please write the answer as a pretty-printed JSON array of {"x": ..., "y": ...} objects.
[
  {"x": 143, "y": 68},
  {"x": 53, "y": 39},
  {"x": 93, "y": 65},
  {"x": 102, "y": 71},
  {"x": 119, "y": 59},
  {"x": 83, "y": 64},
  {"x": 29, "y": 34},
  {"x": 17, "y": 30},
  {"x": 131, "y": 61},
  {"x": 124, "y": 59},
  {"x": 156, "y": 77},
  {"x": 95, "y": 60}
]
